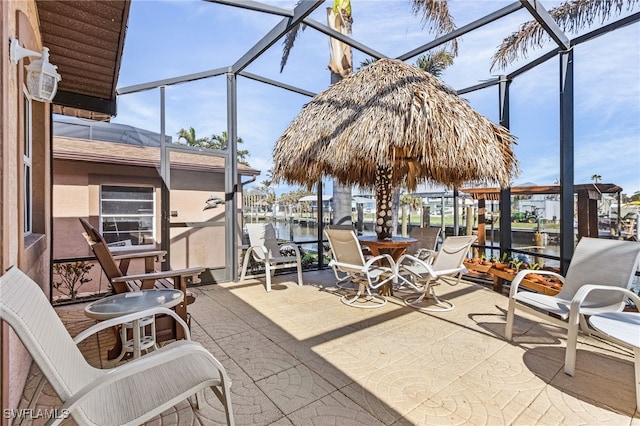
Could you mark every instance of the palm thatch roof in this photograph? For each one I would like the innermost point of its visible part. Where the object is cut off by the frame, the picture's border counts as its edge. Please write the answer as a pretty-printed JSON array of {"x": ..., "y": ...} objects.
[{"x": 393, "y": 116}]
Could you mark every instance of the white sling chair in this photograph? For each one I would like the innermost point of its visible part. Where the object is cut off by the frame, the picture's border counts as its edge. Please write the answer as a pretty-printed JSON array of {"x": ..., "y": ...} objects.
[
  {"x": 129, "y": 394},
  {"x": 265, "y": 249},
  {"x": 343, "y": 280},
  {"x": 423, "y": 276},
  {"x": 347, "y": 258},
  {"x": 596, "y": 261},
  {"x": 427, "y": 243}
]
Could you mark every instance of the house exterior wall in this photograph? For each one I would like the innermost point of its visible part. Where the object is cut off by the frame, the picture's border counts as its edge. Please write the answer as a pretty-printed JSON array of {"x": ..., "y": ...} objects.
[
  {"x": 30, "y": 253},
  {"x": 197, "y": 234}
]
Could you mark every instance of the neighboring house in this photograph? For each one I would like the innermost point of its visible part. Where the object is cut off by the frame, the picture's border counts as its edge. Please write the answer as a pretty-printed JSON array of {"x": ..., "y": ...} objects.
[
  {"x": 85, "y": 41},
  {"x": 541, "y": 206},
  {"x": 110, "y": 174}
]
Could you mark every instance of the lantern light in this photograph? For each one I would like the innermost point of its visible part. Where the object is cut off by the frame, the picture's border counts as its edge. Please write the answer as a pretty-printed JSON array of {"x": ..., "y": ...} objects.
[{"x": 42, "y": 77}]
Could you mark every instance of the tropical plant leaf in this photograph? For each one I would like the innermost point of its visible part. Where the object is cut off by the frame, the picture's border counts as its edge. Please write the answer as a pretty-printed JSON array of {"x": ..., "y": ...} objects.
[
  {"x": 436, "y": 14},
  {"x": 435, "y": 62},
  {"x": 570, "y": 16}
]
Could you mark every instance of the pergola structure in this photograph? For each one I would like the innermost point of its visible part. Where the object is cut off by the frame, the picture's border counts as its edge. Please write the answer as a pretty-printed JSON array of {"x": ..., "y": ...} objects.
[
  {"x": 588, "y": 196},
  {"x": 300, "y": 14}
]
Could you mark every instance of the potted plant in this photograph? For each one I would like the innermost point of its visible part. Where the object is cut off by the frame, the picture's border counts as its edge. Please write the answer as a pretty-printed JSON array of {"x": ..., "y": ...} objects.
[{"x": 502, "y": 262}]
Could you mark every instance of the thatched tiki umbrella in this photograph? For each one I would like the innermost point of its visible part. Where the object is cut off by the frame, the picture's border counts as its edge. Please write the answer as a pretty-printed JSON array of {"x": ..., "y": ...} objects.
[{"x": 392, "y": 124}]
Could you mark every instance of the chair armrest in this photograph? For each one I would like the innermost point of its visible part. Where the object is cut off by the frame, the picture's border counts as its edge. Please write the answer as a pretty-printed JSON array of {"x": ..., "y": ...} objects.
[
  {"x": 159, "y": 254},
  {"x": 149, "y": 257},
  {"x": 102, "y": 325},
  {"x": 147, "y": 362},
  {"x": 520, "y": 276},
  {"x": 584, "y": 291},
  {"x": 258, "y": 249},
  {"x": 426, "y": 254},
  {"x": 195, "y": 271},
  {"x": 415, "y": 260},
  {"x": 388, "y": 258}
]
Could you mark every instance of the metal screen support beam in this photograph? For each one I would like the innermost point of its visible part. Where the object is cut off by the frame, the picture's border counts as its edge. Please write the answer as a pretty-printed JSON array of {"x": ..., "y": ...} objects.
[
  {"x": 231, "y": 181},
  {"x": 456, "y": 214},
  {"x": 566, "y": 160},
  {"x": 254, "y": 5},
  {"x": 319, "y": 228},
  {"x": 301, "y": 11},
  {"x": 165, "y": 177},
  {"x": 325, "y": 29},
  {"x": 540, "y": 14},
  {"x": 505, "y": 193}
]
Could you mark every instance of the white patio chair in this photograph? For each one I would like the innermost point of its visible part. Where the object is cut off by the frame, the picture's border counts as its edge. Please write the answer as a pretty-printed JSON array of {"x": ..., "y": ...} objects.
[
  {"x": 347, "y": 258},
  {"x": 265, "y": 250},
  {"x": 343, "y": 280},
  {"x": 423, "y": 276},
  {"x": 622, "y": 328},
  {"x": 427, "y": 243},
  {"x": 128, "y": 394},
  {"x": 597, "y": 261}
]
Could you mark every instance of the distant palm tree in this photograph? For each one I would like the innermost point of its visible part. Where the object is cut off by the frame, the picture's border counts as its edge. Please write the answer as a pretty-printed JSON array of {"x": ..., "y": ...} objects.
[
  {"x": 189, "y": 137},
  {"x": 570, "y": 16},
  {"x": 596, "y": 178},
  {"x": 220, "y": 142},
  {"x": 435, "y": 62}
]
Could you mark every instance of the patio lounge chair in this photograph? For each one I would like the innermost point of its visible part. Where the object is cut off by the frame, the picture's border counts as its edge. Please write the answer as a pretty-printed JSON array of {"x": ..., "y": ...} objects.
[
  {"x": 596, "y": 261},
  {"x": 129, "y": 394},
  {"x": 347, "y": 258},
  {"x": 423, "y": 276},
  {"x": 265, "y": 250},
  {"x": 121, "y": 282}
]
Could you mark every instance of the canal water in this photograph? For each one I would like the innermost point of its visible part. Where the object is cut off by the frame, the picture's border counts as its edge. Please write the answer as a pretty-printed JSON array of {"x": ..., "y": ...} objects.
[{"x": 522, "y": 240}]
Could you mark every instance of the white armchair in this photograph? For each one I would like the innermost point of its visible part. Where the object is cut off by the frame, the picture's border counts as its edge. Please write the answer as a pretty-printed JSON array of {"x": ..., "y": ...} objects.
[
  {"x": 129, "y": 394},
  {"x": 603, "y": 262},
  {"x": 265, "y": 250},
  {"x": 347, "y": 258}
]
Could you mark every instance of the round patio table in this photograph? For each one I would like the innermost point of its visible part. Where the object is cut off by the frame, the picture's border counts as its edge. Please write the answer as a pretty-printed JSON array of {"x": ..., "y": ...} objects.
[
  {"x": 395, "y": 247},
  {"x": 131, "y": 302}
]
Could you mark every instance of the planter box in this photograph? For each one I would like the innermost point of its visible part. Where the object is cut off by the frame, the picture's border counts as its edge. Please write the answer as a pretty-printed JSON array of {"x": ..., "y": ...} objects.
[{"x": 499, "y": 276}]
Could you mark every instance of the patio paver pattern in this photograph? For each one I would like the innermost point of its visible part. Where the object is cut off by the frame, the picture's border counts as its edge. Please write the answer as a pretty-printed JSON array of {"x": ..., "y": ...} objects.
[{"x": 297, "y": 356}]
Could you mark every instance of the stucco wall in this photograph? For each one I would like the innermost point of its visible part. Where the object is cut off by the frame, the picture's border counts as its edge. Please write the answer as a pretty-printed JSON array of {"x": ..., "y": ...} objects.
[
  {"x": 31, "y": 254},
  {"x": 76, "y": 193}
]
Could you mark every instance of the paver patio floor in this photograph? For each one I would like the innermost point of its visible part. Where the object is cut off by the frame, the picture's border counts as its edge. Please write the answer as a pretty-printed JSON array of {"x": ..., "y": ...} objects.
[{"x": 298, "y": 356}]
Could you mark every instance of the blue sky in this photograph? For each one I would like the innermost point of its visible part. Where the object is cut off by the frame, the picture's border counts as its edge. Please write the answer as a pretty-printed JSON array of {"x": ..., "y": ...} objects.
[{"x": 172, "y": 38}]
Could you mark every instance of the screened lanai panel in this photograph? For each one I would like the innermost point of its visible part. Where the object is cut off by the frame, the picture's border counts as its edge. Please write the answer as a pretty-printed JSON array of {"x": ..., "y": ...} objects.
[{"x": 197, "y": 213}]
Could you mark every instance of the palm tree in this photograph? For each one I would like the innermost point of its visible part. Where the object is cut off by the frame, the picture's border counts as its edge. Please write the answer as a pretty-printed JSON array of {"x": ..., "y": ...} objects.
[
  {"x": 596, "y": 178},
  {"x": 189, "y": 137},
  {"x": 435, "y": 62},
  {"x": 220, "y": 142},
  {"x": 571, "y": 16}
]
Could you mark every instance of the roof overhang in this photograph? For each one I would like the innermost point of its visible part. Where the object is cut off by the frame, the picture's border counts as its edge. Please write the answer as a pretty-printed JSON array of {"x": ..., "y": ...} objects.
[
  {"x": 494, "y": 193},
  {"x": 86, "y": 41},
  {"x": 102, "y": 152}
]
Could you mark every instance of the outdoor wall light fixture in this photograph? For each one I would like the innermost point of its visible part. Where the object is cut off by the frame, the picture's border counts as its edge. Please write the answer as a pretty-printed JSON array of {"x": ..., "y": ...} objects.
[{"x": 42, "y": 77}]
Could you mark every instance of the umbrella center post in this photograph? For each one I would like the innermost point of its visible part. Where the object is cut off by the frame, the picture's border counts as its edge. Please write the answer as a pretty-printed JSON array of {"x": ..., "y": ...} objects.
[{"x": 383, "y": 186}]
